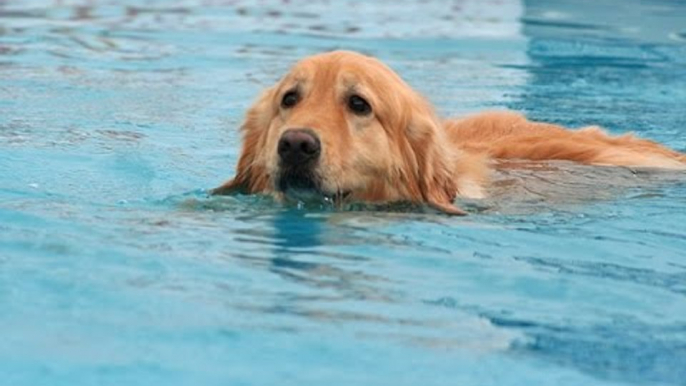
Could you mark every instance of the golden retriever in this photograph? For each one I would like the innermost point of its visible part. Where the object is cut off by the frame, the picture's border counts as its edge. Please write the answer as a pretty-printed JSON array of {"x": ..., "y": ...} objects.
[{"x": 344, "y": 127}]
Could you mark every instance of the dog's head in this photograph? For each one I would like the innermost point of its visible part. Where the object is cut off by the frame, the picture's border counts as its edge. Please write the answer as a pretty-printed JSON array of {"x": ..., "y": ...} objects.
[{"x": 343, "y": 126}]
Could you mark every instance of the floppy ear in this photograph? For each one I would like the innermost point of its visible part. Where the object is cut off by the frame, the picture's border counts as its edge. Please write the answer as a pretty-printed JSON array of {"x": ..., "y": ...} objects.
[
  {"x": 250, "y": 174},
  {"x": 433, "y": 161}
]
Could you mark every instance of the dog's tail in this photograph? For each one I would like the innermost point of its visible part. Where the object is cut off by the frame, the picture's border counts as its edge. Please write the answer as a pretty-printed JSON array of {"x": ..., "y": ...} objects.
[{"x": 506, "y": 135}]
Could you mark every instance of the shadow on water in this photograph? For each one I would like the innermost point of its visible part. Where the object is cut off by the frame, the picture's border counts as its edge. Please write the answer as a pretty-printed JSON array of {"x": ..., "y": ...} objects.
[
  {"x": 294, "y": 229},
  {"x": 305, "y": 246}
]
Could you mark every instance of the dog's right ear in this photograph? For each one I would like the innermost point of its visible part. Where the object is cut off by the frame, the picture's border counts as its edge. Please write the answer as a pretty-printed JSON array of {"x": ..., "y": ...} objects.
[
  {"x": 430, "y": 163},
  {"x": 251, "y": 174}
]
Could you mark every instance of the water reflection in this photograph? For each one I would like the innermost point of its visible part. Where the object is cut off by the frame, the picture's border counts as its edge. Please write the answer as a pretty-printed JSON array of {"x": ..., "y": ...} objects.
[
  {"x": 295, "y": 229},
  {"x": 305, "y": 251}
]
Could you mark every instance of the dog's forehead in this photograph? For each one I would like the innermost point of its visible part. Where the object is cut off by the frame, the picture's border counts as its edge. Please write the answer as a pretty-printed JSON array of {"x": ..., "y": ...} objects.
[{"x": 341, "y": 68}]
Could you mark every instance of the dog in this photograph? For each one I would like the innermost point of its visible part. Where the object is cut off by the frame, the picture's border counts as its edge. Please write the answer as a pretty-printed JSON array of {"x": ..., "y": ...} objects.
[{"x": 343, "y": 127}]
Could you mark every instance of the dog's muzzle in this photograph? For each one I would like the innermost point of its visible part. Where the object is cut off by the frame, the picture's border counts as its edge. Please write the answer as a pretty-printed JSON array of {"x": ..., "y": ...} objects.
[
  {"x": 299, "y": 147},
  {"x": 299, "y": 151}
]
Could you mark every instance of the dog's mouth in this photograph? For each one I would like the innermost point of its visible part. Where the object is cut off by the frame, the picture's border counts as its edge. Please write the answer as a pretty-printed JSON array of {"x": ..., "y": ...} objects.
[{"x": 304, "y": 186}]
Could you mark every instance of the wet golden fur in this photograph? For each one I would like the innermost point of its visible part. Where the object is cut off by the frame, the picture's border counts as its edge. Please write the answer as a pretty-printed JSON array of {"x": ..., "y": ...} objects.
[{"x": 402, "y": 151}]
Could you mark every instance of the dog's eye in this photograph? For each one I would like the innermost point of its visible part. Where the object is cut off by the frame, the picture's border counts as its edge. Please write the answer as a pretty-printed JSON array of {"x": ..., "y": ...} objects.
[
  {"x": 358, "y": 105},
  {"x": 290, "y": 99}
]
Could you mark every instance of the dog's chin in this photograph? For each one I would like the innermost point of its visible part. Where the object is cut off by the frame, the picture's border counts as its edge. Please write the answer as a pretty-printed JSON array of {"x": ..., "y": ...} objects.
[{"x": 306, "y": 187}]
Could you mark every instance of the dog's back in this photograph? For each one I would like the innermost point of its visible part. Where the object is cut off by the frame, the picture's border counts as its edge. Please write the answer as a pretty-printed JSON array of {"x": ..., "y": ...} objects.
[{"x": 507, "y": 135}]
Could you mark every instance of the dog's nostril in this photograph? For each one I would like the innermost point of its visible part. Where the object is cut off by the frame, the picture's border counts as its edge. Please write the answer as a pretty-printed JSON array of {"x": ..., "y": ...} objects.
[
  {"x": 297, "y": 146},
  {"x": 308, "y": 147},
  {"x": 284, "y": 146}
]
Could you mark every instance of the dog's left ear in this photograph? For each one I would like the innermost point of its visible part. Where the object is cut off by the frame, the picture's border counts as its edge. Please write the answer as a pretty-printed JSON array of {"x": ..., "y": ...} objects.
[
  {"x": 250, "y": 173},
  {"x": 433, "y": 162}
]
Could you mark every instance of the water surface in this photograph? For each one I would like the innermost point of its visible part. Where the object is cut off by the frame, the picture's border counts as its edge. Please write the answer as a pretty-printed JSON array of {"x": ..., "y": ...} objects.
[{"x": 116, "y": 268}]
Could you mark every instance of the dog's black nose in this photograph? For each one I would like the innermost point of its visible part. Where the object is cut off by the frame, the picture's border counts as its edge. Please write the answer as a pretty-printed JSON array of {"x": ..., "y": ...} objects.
[{"x": 298, "y": 145}]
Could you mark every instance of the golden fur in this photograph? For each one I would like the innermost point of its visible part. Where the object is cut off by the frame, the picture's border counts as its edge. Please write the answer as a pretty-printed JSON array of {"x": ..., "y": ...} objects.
[{"x": 402, "y": 151}]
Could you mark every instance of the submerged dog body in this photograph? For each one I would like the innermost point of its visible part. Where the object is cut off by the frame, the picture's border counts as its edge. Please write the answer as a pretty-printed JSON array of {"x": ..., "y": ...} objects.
[{"x": 344, "y": 127}]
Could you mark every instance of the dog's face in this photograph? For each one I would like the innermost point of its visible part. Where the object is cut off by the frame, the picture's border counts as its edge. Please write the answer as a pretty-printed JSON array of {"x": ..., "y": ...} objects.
[
  {"x": 342, "y": 126},
  {"x": 329, "y": 134}
]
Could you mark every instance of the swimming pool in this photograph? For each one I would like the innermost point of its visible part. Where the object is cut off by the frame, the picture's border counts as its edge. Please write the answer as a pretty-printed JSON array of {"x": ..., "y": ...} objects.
[{"x": 115, "y": 268}]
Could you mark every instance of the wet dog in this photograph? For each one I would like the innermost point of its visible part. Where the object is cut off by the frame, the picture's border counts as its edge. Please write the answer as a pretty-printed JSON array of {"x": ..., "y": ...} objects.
[{"x": 344, "y": 127}]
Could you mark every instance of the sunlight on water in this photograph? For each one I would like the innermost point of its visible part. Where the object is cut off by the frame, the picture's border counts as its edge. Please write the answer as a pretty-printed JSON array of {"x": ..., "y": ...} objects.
[{"x": 116, "y": 267}]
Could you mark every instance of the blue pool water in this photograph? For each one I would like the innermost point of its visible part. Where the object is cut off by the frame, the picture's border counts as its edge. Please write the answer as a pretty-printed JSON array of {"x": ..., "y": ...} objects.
[{"x": 117, "y": 269}]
